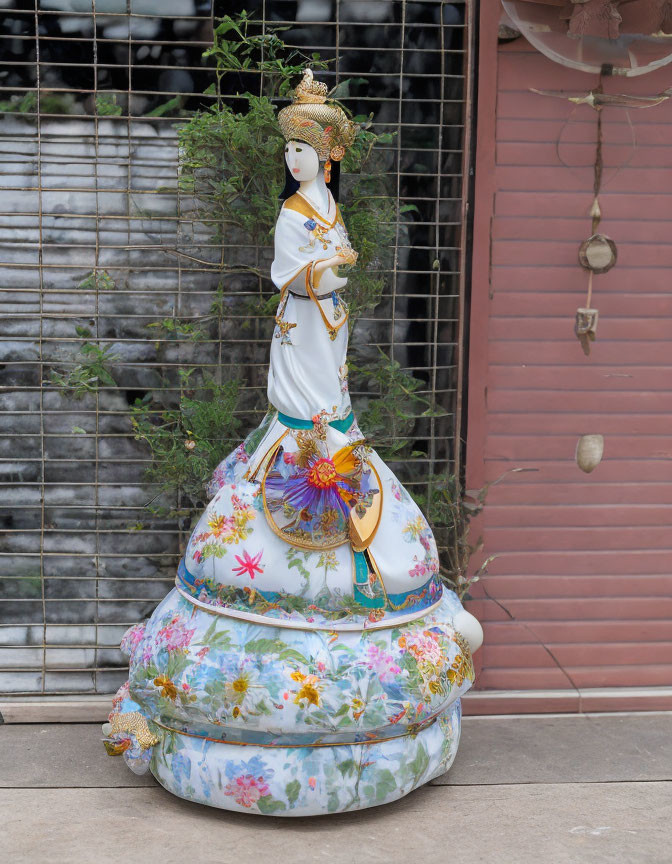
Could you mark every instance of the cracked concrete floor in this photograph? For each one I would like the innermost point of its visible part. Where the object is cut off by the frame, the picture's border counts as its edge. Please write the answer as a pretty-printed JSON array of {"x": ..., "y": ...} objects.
[{"x": 530, "y": 790}]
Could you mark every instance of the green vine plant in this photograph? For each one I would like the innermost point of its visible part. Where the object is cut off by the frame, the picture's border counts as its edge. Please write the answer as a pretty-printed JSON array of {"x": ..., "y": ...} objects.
[
  {"x": 389, "y": 415},
  {"x": 450, "y": 512},
  {"x": 90, "y": 372},
  {"x": 97, "y": 280},
  {"x": 188, "y": 442}
]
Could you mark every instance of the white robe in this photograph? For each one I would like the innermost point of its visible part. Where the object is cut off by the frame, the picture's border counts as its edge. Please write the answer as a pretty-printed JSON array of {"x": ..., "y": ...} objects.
[
  {"x": 307, "y": 372},
  {"x": 238, "y": 544}
]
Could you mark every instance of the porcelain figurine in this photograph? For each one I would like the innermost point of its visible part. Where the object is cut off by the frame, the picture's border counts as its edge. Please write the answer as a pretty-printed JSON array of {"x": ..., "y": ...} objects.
[{"x": 309, "y": 659}]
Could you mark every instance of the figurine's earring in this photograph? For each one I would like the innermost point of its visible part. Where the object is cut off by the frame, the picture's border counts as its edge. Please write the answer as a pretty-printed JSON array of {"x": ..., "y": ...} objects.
[{"x": 327, "y": 171}]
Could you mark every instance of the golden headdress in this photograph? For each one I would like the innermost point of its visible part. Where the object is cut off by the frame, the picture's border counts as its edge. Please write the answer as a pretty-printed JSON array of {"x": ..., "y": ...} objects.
[{"x": 312, "y": 119}]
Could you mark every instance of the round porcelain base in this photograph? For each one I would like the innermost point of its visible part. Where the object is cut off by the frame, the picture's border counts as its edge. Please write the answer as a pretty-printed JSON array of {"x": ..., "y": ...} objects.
[{"x": 305, "y": 781}]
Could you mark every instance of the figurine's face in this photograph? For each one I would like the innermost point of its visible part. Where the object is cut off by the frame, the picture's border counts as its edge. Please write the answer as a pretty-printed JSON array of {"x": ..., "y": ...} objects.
[{"x": 302, "y": 160}]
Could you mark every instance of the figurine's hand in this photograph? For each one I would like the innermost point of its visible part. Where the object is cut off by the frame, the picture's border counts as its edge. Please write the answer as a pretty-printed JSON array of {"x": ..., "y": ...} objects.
[{"x": 346, "y": 256}]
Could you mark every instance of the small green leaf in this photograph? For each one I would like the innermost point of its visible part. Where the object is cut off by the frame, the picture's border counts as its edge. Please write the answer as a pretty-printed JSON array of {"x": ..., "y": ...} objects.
[
  {"x": 268, "y": 804},
  {"x": 292, "y": 790},
  {"x": 346, "y": 767},
  {"x": 386, "y": 784}
]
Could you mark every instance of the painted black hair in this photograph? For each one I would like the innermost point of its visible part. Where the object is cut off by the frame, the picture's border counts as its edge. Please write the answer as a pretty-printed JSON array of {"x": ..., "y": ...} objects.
[{"x": 292, "y": 185}]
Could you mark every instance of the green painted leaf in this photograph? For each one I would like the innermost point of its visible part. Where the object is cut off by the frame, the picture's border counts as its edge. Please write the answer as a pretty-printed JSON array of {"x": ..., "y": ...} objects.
[
  {"x": 220, "y": 640},
  {"x": 419, "y": 764},
  {"x": 385, "y": 784},
  {"x": 176, "y": 665},
  {"x": 346, "y": 767},
  {"x": 210, "y": 632},
  {"x": 269, "y": 804},
  {"x": 264, "y": 646},
  {"x": 292, "y": 790},
  {"x": 291, "y": 654}
]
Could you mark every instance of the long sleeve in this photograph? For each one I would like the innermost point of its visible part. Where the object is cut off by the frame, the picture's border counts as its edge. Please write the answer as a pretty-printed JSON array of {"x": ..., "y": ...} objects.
[{"x": 295, "y": 249}]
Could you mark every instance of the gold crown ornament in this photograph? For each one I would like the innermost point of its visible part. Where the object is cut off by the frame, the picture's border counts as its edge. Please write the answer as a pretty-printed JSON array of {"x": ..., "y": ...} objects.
[{"x": 312, "y": 119}]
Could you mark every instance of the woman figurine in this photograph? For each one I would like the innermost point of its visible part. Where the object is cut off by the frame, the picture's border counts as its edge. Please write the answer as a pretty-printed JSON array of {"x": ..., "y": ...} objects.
[{"x": 309, "y": 659}]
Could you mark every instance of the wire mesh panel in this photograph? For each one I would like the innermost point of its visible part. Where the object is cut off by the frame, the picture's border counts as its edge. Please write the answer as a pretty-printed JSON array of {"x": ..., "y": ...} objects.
[{"x": 106, "y": 268}]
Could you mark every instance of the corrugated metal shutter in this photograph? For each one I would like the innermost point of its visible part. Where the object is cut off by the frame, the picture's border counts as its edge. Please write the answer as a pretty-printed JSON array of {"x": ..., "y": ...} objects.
[{"x": 581, "y": 590}]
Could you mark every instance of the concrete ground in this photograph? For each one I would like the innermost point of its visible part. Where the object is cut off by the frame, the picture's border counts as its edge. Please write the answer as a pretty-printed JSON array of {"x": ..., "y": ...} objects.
[{"x": 523, "y": 790}]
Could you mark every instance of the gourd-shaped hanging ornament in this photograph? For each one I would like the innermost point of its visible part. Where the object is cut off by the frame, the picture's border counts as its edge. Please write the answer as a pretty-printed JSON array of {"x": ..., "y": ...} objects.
[{"x": 597, "y": 254}]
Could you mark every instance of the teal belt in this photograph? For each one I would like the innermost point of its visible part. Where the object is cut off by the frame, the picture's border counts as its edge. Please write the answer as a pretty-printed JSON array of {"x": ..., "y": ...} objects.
[{"x": 295, "y": 423}]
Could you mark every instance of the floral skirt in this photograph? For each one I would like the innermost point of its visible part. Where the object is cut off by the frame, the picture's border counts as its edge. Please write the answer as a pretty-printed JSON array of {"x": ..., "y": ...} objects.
[{"x": 310, "y": 524}]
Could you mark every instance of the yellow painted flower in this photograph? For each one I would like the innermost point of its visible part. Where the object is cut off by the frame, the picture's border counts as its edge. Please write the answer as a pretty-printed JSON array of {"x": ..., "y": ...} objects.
[
  {"x": 415, "y": 527},
  {"x": 219, "y": 525},
  {"x": 168, "y": 689},
  {"x": 240, "y": 685},
  {"x": 308, "y": 692}
]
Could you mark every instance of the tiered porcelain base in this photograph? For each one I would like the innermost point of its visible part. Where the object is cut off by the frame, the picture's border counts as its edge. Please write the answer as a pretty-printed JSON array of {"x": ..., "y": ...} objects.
[
  {"x": 305, "y": 781},
  {"x": 277, "y": 718}
]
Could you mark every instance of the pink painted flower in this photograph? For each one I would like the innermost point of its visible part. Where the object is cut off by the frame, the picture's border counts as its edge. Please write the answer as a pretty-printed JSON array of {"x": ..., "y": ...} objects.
[
  {"x": 425, "y": 648},
  {"x": 312, "y": 782},
  {"x": 132, "y": 638},
  {"x": 247, "y": 790},
  {"x": 380, "y": 662},
  {"x": 174, "y": 636},
  {"x": 248, "y": 565},
  {"x": 418, "y": 570}
]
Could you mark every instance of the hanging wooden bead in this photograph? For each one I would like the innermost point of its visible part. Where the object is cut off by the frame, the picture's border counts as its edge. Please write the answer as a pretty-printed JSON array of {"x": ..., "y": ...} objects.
[{"x": 598, "y": 253}]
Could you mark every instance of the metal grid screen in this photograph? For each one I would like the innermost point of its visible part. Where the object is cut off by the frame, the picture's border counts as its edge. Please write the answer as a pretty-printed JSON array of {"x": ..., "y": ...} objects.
[{"x": 96, "y": 244}]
